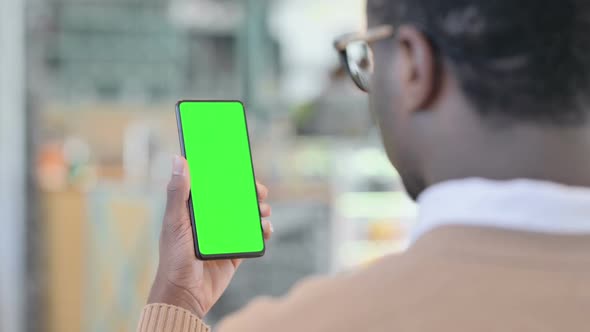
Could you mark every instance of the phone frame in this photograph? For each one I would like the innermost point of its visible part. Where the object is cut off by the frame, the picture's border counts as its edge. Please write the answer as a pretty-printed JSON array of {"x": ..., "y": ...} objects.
[{"x": 198, "y": 253}]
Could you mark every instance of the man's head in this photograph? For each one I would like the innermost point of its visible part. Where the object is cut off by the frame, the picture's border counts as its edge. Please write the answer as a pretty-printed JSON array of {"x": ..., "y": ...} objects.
[{"x": 459, "y": 77}]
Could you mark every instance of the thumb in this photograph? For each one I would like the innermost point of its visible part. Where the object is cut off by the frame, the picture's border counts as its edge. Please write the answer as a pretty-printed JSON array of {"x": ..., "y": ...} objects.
[{"x": 178, "y": 191}]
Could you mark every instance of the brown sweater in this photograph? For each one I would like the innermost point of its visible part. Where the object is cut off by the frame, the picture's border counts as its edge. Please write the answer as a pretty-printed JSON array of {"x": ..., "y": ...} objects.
[
  {"x": 454, "y": 278},
  {"x": 164, "y": 317}
]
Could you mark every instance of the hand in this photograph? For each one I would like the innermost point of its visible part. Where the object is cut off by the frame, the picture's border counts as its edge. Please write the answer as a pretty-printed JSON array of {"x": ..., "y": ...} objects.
[{"x": 181, "y": 279}]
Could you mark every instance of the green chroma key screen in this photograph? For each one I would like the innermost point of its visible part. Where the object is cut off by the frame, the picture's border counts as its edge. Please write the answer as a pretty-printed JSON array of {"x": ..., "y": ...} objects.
[{"x": 226, "y": 217}]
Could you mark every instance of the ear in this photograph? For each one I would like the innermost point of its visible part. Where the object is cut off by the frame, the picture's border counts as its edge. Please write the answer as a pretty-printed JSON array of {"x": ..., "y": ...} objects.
[{"x": 417, "y": 68}]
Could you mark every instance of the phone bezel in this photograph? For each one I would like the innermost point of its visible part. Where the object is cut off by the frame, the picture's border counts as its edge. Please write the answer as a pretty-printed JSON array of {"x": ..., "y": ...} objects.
[{"x": 198, "y": 253}]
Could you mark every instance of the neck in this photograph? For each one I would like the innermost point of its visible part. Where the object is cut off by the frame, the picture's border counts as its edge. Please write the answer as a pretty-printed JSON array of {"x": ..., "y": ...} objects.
[{"x": 557, "y": 154}]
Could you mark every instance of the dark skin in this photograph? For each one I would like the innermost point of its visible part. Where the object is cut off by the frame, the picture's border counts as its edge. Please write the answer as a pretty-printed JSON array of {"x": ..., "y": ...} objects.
[{"x": 432, "y": 133}]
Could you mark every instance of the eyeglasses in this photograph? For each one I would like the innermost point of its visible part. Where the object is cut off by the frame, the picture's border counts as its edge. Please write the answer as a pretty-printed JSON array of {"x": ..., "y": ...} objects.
[{"x": 357, "y": 56}]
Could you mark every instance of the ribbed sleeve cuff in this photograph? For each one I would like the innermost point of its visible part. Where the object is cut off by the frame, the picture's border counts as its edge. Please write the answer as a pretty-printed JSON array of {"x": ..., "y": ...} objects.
[{"x": 167, "y": 318}]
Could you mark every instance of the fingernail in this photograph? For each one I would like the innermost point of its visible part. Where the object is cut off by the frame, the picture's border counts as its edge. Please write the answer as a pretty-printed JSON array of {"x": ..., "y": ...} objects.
[
  {"x": 272, "y": 230},
  {"x": 178, "y": 166}
]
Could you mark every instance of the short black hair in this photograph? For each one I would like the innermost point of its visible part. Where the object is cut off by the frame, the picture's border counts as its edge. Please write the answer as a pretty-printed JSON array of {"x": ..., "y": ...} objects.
[{"x": 516, "y": 59}]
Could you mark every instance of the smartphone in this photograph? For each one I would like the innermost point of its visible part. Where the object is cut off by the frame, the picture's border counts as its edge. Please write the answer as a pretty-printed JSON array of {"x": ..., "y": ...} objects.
[{"x": 223, "y": 204}]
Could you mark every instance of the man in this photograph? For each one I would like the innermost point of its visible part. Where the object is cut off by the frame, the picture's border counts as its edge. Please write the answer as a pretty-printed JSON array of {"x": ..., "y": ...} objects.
[{"x": 483, "y": 110}]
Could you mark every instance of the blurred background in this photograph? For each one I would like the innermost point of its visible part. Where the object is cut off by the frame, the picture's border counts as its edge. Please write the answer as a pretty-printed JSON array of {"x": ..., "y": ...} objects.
[{"x": 87, "y": 135}]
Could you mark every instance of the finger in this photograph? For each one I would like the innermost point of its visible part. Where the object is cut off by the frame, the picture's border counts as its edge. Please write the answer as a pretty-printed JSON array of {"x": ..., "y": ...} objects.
[
  {"x": 178, "y": 191},
  {"x": 236, "y": 262},
  {"x": 267, "y": 229},
  {"x": 265, "y": 210},
  {"x": 262, "y": 191}
]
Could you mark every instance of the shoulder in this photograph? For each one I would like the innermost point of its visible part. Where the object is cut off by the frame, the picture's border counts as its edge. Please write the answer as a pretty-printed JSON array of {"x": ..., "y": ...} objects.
[{"x": 331, "y": 303}]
